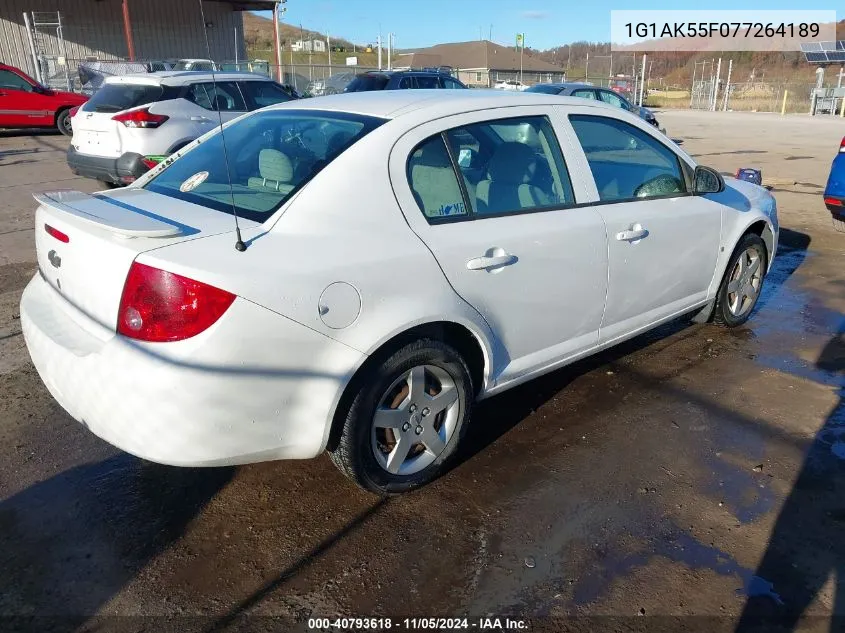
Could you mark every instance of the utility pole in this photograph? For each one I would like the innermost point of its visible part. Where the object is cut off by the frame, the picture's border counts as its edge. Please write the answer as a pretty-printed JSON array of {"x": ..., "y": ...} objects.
[
  {"x": 389, "y": 51},
  {"x": 329, "y": 48},
  {"x": 692, "y": 86},
  {"x": 277, "y": 13},
  {"x": 586, "y": 68},
  {"x": 642, "y": 81},
  {"x": 379, "y": 49},
  {"x": 716, "y": 85}
]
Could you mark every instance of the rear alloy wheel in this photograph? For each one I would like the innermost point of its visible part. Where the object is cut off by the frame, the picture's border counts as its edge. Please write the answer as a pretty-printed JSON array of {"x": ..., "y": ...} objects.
[
  {"x": 63, "y": 122},
  {"x": 407, "y": 419},
  {"x": 742, "y": 283}
]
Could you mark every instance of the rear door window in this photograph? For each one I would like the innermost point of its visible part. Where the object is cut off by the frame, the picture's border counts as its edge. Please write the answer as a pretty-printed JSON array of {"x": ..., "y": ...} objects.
[
  {"x": 116, "y": 97},
  {"x": 585, "y": 94},
  {"x": 222, "y": 96},
  {"x": 260, "y": 94},
  {"x": 426, "y": 82},
  {"x": 451, "y": 84}
]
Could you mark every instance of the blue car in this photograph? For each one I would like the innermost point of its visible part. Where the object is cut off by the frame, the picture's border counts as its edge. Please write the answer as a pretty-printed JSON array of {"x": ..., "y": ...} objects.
[{"x": 834, "y": 193}]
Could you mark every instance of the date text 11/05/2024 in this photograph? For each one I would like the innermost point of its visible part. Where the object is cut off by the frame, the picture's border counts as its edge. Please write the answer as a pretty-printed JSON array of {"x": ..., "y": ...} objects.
[
  {"x": 722, "y": 29},
  {"x": 489, "y": 623}
]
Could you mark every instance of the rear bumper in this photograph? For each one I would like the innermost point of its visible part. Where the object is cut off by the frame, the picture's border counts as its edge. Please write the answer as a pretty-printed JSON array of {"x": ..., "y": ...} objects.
[
  {"x": 119, "y": 171},
  {"x": 253, "y": 387},
  {"x": 836, "y": 210}
]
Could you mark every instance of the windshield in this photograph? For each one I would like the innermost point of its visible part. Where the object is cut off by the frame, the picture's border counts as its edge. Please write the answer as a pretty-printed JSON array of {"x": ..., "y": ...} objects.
[{"x": 272, "y": 154}]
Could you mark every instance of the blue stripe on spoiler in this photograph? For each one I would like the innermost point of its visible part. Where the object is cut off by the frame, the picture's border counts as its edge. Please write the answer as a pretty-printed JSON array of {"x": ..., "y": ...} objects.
[{"x": 184, "y": 228}]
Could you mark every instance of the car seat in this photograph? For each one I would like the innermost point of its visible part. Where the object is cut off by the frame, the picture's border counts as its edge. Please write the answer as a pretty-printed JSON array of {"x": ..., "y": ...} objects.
[
  {"x": 276, "y": 172},
  {"x": 511, "y": 183}
]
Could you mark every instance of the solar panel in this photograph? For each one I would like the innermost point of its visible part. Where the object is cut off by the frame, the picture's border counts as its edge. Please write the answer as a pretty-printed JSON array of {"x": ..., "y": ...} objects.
[{"x": 824, "y": 52}]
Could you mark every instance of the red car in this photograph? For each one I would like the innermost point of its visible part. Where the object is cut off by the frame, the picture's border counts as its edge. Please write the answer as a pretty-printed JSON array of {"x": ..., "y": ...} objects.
[{"x": 26, "y": 103}]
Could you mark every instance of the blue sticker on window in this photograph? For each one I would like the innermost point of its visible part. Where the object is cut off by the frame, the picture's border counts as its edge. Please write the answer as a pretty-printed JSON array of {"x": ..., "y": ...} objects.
[{"x": 457, "y": 208}]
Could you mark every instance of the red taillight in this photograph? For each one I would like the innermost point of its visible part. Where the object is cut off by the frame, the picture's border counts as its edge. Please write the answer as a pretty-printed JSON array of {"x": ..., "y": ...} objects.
[
  {"x": 140, "y": 118},
  {"x": 56, "y": 233},
  {"x": 842, "y": 145},
  {"x": 834, "y": 202},
  {"x": 73, "y": 111},
  {"x": 161, "y": 306},
  {"x": 150, "y": 163}
]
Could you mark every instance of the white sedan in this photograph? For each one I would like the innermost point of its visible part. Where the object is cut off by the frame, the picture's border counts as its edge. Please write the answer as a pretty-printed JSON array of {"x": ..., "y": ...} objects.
[{"x": 403, "y": 255}]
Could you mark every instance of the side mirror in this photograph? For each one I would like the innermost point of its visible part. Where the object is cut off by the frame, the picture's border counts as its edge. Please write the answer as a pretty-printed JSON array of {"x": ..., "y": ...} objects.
[{"x": 707, "y": 180}]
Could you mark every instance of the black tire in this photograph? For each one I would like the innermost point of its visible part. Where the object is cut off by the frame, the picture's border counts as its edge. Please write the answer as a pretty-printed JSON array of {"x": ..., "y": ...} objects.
[
  {"x": 722, "y": 314},
  {"x": 838, "y": 225},
  {"x": 63, "y": 122},
  {"x": 354, "y": 454}
]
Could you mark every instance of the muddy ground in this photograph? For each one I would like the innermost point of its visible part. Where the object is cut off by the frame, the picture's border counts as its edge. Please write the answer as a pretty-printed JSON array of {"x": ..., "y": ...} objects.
[{"x": 694, "y": 471}]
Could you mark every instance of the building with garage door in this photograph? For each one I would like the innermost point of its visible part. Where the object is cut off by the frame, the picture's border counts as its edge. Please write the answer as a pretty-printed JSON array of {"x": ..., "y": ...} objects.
[{"x": 62, "y": 33}]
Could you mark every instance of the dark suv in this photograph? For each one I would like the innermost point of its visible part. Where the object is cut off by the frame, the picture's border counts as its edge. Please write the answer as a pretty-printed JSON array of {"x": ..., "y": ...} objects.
[{"x": 403, "y": 79}]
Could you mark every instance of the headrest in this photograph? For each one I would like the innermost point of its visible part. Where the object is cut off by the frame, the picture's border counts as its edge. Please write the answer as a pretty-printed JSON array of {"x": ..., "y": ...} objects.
[
  {"x": 273, "y": 165},
  {"x": 512, "y": 164},
  {"x": 432, "y": 154}
]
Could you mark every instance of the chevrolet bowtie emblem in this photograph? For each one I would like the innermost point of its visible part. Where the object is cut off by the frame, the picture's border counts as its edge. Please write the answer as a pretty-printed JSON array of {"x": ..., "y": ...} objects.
[{"x": 54, "y": 258}]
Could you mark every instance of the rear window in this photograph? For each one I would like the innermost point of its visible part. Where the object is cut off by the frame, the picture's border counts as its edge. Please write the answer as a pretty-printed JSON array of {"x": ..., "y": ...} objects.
[
  {"x": 272, "y": 154},
  {"x": 365, "y": 83},
  {"x": 546, "y": 90},
  {"x": 121, "y": 96}
]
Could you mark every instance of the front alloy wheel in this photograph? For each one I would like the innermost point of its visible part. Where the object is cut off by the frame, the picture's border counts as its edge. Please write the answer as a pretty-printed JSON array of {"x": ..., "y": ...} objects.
[{"x": 742, "y": 283}]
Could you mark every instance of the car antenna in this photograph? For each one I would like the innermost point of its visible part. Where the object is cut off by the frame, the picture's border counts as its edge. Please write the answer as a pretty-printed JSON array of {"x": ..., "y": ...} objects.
[{"x": 240, "y": 246}]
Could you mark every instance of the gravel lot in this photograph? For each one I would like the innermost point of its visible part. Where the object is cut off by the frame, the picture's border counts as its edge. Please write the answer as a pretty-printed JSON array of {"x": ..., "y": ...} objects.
[{"x": 693, "y": 471}]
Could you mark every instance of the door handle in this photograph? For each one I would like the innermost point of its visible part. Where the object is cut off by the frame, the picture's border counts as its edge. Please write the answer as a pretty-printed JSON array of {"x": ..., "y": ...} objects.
[
  {"x": 491, "y": 261},
  {"x": 201, "y": 119},
  {"x": 634, "y": 234}
]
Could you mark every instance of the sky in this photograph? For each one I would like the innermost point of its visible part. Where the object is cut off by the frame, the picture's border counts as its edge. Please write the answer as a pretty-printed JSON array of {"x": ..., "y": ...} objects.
[{"x": 546, "y": 23}]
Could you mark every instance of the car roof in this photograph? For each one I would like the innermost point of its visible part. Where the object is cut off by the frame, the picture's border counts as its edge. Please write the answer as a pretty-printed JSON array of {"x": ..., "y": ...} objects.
[
  {"x": 393, "y": 104},
  {"x": 407, "y": 71},
  {"x": 185, "y": 77}
]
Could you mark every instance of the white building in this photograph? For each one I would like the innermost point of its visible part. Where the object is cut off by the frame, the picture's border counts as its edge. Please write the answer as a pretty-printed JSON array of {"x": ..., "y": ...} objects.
[{"x": 308, "y": 46}]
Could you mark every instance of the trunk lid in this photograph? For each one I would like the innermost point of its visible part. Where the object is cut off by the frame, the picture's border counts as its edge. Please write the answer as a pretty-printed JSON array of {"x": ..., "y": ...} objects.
[
  {"x": 105, "y": 233},
  {"x": 97, "y": 134}
]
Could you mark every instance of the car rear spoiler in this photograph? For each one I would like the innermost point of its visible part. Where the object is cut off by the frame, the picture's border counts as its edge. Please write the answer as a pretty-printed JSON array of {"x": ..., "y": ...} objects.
[{"x": 100, "y": 211}]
